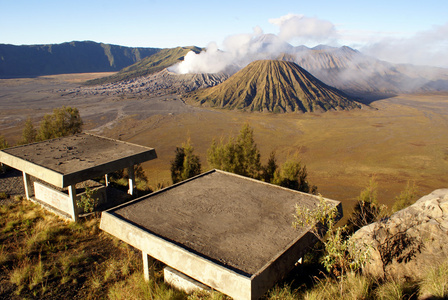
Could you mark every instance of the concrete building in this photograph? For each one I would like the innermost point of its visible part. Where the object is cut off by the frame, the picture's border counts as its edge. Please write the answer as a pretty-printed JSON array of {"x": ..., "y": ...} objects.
[
  {"x": 228, "y": 232},
  {"x": 66, "y": 161}
]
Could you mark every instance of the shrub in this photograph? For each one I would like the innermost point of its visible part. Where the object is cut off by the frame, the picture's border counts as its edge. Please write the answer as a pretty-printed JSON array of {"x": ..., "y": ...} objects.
[
  {"x": 240, "y": 156},
  {"x": 268, "y": 171},
  {"x": 293, "y": 175},
  {"x": 29, "y": 134},
  {"x": 367, "y": 209},
  {"x": 406, "y": 197},
  {"x": 87, "y": 202},
  {"x": 64, "y": 121},
  {"x": 185, "y": 164},
  {"x": 3, "y": 143},
  {"x": 340, "y": 256}
]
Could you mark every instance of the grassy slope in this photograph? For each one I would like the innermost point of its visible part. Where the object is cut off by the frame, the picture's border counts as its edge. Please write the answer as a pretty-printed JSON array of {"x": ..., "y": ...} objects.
[
  {"x": 43, "y": 257},
  {"x": 275, "y": 86},
  {"x": 149, "y": 65}
]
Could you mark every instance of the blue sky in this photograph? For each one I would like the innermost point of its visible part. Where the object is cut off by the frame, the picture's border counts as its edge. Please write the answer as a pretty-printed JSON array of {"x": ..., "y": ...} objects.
[{"x": 168, "y": 23}]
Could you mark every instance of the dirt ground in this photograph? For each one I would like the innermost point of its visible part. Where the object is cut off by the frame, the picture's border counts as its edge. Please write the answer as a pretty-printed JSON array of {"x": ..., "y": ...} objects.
[
  {"x": 397, "y": 140},
  {"x": 23, "y": 98}
]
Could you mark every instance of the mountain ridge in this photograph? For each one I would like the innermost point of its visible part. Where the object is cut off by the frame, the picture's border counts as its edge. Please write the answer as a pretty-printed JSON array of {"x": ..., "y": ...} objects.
[
  {"x": 69, "y": 57},
  {"x": 148, "y": 65}
]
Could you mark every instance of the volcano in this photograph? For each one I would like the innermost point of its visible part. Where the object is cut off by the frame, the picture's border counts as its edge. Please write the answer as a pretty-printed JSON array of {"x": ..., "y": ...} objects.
[{"x": 273, "y": 86}]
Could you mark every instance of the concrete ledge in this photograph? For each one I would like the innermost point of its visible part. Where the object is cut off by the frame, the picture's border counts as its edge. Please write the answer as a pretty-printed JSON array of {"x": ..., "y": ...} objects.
[{"x": 182, "y": 282}]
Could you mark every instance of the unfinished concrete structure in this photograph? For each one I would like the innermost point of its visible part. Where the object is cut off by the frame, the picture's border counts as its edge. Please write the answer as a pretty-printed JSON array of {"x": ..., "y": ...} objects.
[
  {"x": 231, "y": 233},
  {"x": 66, "y": 161}
]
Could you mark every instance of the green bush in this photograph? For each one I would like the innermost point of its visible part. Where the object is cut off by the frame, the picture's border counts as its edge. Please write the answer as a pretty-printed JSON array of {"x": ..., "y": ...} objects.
[
  {"x": 87, "y": 201},
  {"x": 29, "y": 133},
  {"x": 367, "y": 209},
  {"x": 240, "y": 156},
  {"x": 340, "y": 254},
  {"x": 63, "y": 122},
  {"x": 293, "y": 175},
  {"x": 3, "y": 143},
  {"x": 185, "y": 164},
  {"x": 406, "y": 197}
]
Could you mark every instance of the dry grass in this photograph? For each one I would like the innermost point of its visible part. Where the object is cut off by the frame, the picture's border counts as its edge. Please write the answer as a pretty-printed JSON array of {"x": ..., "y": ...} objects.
[
  {"x": 46, "y": 257},
  {"x": 435, "y": 283},
  {"x": 42, "y": 254},
  {"x": 350, "y": 286}
]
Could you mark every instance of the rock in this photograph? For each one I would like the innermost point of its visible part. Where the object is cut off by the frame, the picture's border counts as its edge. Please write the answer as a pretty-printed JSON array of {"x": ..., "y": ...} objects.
[{"x": 409, "y": 241}]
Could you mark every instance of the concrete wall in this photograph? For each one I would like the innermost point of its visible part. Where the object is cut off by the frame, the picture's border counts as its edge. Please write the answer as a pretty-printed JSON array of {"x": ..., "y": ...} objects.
[{"x": 54, "y": 198}]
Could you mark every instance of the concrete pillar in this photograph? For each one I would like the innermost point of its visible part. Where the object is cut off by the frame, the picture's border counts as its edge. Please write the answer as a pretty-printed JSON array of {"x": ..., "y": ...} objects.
[
  {"x": 145, "y": 265},
  {"x": 27, "y": 185},
  {"x": 131, "y": 180},
  {"x": 106, "y": 179},
  {"x": 74, "y": 206}
]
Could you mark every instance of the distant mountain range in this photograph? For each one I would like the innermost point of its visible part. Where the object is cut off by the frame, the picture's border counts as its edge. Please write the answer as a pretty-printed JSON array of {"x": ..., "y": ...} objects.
[
  {"x": 343, "y": 68},
  {"x": 273, "y": 86},
  {"x": 73, "y": 57},
  {"x": 353, "y": 72}
]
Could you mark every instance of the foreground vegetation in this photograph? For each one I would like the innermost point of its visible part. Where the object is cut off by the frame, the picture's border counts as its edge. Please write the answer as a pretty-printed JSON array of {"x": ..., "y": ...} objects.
[
  {"x": 241, "y": 156},
  {"x": 42, "y": 256}
]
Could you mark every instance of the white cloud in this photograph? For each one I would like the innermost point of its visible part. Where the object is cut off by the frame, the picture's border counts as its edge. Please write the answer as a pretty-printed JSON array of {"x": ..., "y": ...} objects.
[
  {"x": 429, "y": 47},
  {"x": 424, "y": 48},
  {"x": 294, "y": 27},
  {"x": 241, "y": 49},
  {"x": 237, "y": 51}
]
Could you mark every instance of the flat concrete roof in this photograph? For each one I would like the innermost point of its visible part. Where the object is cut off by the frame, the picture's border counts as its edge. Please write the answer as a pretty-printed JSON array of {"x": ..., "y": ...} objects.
[
  {"x": 234, "y": 222},
  {"x": 68, "y": 160}
]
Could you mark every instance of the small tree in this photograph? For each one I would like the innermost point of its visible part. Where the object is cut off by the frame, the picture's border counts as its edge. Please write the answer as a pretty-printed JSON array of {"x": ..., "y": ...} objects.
[
  {"x": 240, "y": 156},
  {"x": 29, "y": 133},
  {"x": 268, "y": 170},
  {"x": 367, "y": 209},
  {"x": 63, "y": 122},
  {"x": 185, "y": 164},
  {"x": 3, "y": 143},
  {"x": 340, "y": 254},
  {"x": 406, "y": 197},
  {"x": 293, "y": 176}
]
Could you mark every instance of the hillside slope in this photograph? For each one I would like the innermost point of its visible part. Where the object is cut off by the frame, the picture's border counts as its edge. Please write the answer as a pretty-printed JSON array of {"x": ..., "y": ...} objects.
[
  {"x": 273, "y": 86},
  {"x": 149, "y": 65},
  {"x": 73, "y": 57}
]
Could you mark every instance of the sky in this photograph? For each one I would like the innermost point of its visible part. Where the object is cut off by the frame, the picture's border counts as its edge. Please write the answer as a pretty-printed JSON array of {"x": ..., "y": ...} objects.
[{"x": 411, "y": 31}]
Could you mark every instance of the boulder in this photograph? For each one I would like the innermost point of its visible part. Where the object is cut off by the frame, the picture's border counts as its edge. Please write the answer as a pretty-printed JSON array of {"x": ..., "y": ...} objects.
[{"x": 409, "y": 241}]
